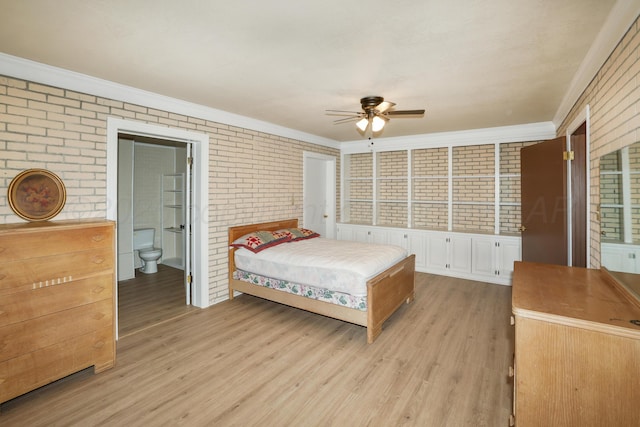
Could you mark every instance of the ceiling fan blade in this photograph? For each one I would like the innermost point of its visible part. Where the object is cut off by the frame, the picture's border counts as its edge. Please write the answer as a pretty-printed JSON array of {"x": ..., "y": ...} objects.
[
  {"x": 384, "y": 106},
  {"x": 341, "y": 112},
  {"x": 347, "y": 120},
  {"x": 405, "y": 113}
]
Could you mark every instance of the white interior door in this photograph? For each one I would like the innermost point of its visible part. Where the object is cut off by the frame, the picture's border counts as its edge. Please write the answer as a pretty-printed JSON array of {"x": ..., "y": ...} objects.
[
  {"x": 186, "y": 233},
  {"x": 319, "y": 182}
]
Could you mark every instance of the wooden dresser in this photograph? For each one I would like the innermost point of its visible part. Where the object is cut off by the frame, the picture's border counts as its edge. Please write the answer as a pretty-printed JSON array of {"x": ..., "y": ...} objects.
[
  {"x": 577, "y": 351},
  {"x": 56, "y": 302}
]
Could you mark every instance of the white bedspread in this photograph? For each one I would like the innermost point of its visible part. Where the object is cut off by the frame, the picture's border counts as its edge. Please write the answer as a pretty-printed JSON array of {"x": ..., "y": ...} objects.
[{"x": 336, "y": 265}]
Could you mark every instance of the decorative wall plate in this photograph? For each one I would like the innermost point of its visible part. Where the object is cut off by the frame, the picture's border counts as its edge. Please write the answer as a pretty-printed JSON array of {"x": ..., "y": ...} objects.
[{"x": 36, "y": 195}]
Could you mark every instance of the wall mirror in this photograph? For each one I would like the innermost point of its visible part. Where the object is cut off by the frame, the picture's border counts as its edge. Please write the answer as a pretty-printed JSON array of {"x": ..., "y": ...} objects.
[{"x": 620, "y": 216}]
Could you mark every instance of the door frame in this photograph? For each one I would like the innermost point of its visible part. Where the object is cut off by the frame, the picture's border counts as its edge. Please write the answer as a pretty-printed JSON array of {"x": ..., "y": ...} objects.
[
  {"x": 582, "y": 117},
  {"x": 330, "y": 185},
  {"x": 200, "y": 211}
]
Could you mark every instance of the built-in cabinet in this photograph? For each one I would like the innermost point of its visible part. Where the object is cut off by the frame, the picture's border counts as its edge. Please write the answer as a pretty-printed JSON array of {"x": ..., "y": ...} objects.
[
  {"x": 577, "y": 348},
  {"x": 173, "y": 220},
  {"x": 494, "y": 256},
  {"x": 488, "y": 258},
  {"x": 448, "y": 253},
  {"x": 621, "y": 257}
]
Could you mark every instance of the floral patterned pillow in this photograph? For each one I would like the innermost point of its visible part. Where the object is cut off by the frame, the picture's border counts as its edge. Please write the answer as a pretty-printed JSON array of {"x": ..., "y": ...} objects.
[
  {"x": 260, "y": 240},
  {"x": 299, "y": 233}
]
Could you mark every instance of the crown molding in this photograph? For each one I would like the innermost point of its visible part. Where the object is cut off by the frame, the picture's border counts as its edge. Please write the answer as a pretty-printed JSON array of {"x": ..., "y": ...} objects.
[
  {"x": 25, "y": 69},
  {"x": 517, "y": 133},
  {"x": 622, "y": 16}
]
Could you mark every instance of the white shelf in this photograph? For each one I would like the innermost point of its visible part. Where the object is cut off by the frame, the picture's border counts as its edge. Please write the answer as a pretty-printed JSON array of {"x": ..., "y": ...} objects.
[{"x": 173, "y": 220}]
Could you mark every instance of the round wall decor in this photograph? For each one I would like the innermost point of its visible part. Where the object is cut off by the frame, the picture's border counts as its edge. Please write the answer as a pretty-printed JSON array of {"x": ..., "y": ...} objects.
[{"x": 36, "y": 195}]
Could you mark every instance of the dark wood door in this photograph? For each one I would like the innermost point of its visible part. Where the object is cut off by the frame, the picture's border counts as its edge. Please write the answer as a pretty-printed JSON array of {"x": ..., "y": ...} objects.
[{"x": 544, "y": 202}]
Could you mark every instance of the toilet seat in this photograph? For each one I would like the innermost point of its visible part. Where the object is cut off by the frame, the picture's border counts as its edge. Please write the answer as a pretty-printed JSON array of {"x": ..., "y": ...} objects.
[{"x": 150, "y": 253}]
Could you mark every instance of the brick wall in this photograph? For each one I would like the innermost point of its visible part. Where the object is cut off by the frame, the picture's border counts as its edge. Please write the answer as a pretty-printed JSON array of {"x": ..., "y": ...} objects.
[
  {"x": 613, "y": 97},
  {"x": 473, "y": 176},
  {"x": 392, "y": 188},
  {"x": 251, "y": 173}
]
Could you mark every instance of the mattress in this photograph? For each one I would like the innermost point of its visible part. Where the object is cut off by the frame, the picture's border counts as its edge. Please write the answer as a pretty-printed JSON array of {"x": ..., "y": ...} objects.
[
  {"x": 307, "y": 291},
  {"x": 336, "y": 265}
]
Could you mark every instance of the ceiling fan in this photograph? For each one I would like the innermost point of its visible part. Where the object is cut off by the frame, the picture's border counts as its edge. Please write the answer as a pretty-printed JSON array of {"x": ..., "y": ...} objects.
[{"x": 375, "y": 112}]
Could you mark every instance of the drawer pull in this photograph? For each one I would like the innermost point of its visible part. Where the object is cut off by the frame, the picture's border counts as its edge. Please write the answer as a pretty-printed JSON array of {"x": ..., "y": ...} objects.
[
  {"x": 98, "y": 289},
  {"x": 512, "y": 320},
  {"x": 2, "y": 276},
  {"x": 97, "y": 237},
  {"x": 98, "y": 344},
  {"x": 98, "y": 260}
]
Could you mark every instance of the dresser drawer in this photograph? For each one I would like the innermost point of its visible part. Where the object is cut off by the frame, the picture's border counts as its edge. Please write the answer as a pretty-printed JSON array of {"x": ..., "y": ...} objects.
[
  {"x": 29, "y": 371},
  {"x": 20, "y": 275},
  {"x": 36, "y": 243},
  {"x": 32, "y": 303},
  {"x": 31, "y": 335}
]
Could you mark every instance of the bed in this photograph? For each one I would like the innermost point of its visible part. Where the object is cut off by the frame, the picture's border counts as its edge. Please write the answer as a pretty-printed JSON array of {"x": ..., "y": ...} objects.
[{"x": 384, "y": 293}]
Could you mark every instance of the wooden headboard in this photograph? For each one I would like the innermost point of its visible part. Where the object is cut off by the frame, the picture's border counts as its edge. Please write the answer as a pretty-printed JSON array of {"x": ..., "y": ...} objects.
[{"x": 241, "y": 230}]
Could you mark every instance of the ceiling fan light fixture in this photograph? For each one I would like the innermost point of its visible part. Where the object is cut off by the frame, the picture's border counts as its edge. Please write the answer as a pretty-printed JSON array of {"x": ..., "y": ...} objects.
[
  {"x": 377, "y": 123},
  {"x": 362, "y": 124}
]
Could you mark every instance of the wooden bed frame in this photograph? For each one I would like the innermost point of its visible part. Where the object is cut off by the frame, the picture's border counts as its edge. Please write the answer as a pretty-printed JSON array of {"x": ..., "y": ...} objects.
[{"x": 385, "y": 292}]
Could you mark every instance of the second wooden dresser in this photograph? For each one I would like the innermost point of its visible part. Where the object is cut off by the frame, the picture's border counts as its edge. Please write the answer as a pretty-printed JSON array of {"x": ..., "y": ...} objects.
[
  {"x": 577, "y": 349},
  {"x": 56, "y": 302}
]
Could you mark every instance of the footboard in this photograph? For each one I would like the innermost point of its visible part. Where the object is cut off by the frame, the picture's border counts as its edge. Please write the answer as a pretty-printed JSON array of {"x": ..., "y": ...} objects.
[{"x": 386, "y": 292}]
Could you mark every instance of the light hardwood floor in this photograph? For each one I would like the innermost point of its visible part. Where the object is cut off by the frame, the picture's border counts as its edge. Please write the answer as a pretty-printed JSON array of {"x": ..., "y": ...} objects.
[
  {"x": 440, "y": 361},
  {"x": 151, "y": 299}
]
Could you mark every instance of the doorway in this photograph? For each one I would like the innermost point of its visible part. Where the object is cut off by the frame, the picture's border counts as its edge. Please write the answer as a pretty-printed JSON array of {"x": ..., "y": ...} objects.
[
  {"x": 199, "y": 285},
  {"x": 153, "y": 186},
  {"x": 555, "y": 198},
  {"x": 319, "y": 193}
]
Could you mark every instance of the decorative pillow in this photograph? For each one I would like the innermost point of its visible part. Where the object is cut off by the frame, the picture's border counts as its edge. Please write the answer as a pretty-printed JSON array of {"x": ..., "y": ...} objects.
[
  {"x": 260, "y": 240},
  {"x": 299, "y": 233}
]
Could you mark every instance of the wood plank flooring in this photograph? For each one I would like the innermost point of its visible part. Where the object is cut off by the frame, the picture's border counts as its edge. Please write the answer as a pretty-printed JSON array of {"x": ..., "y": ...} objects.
[
  {"x": 440, "y": 361},
  {"x": 150, "y": 299}
]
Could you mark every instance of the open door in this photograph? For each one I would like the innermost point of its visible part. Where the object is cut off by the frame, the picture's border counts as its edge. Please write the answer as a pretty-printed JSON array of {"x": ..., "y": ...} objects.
[
  {"x": 544, "y": 202},
  {"x": 188, "y": 202}
]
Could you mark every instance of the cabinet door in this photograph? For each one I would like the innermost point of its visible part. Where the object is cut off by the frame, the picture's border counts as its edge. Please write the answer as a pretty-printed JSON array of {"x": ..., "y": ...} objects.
[
  {"x": 376, "y": 235},
  {"x": 398, "y": 238},
  {"x": 484, "y": 256},
  {"x": 460, "y": 254},
  {"x": 361, "y": 235},
  {"x": 437, "y": 254},
  {"x": 353, "y": 233},
  {"x": 345, "y": 232},
  {"x": 508, "y": 252},
  {"x": 620, "y": 258},
  {"x": 416, "y": 245}
]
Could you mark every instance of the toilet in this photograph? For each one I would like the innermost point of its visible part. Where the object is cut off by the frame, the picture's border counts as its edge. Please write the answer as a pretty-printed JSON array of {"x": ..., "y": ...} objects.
[{"x": 143, "y": 243}]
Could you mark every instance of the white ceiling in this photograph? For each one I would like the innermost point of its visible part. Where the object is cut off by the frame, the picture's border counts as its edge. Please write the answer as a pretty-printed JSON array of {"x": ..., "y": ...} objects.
[{"x": 470, "y": 63}]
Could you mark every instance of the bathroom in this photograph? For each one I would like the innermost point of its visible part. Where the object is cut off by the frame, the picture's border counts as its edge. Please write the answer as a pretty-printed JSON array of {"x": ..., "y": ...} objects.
[{"x": 150, "y": 178}]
